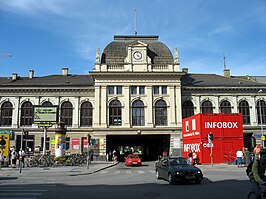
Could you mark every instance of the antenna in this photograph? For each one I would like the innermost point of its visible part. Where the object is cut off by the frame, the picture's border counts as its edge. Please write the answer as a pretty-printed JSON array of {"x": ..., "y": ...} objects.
[
  {"x": 224, "y": 61},
  {"x": 135, "y": 22}
]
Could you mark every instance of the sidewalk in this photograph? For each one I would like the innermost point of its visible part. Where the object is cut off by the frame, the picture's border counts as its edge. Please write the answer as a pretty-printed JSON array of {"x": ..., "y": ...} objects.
[{"x": 94, "y": 167}]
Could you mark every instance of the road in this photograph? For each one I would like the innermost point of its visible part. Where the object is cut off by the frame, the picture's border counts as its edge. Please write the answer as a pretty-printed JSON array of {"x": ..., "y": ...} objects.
[{"x": 221, "y": 181}]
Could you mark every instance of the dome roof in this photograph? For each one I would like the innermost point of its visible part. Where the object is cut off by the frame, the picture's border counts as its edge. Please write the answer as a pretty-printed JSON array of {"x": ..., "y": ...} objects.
[{"x": 116, "y": 51}]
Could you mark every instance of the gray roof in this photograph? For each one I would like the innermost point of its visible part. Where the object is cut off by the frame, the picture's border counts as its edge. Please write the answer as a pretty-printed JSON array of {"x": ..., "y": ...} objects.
[
  {"x": 48, "y": 81},
  {"x": 213, "y": 80},
  {"x": 116, "y": 51}
]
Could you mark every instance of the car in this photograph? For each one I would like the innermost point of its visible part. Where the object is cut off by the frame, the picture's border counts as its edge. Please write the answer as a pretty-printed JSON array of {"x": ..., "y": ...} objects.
[
  {"x": 177, "y": 169},
  {"x": 133, "y": 160}
]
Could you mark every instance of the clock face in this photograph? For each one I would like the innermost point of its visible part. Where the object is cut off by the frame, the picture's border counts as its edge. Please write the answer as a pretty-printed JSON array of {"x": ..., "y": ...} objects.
[{"x": 137, "y": 55}]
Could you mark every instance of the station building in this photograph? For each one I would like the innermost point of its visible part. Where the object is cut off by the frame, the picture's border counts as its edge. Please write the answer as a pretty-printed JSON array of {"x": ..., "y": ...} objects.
[{"x": 134, "y": 99}]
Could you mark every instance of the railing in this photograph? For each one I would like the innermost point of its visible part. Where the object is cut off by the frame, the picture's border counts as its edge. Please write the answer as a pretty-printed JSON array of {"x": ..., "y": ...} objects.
[{"x": 115, "y": 67}]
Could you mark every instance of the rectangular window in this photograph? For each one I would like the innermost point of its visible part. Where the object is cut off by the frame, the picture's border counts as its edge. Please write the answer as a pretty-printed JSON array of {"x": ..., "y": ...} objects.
[
  {"x": 156, "y": 90},
  {"x": 111, "y": 90},
  {"x": 119, "y": 90},
  {"x": 164, "y": 90},
  {"x": 133, "y": 90},
  {"x": 67, "y": 142},
  {"x": 142, "y": 90}
]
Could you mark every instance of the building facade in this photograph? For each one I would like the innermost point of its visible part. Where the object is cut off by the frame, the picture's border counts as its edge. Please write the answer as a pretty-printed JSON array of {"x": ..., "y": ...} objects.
[{"x": 134, "y": 99}]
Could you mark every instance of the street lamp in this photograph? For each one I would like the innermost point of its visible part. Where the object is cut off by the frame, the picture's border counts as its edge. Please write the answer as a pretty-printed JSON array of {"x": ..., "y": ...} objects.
[{"x": 261, "y": 126}]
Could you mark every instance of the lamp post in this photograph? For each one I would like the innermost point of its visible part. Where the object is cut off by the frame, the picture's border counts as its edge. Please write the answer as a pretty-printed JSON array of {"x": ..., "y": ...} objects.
[{"x": 261, "y": 126}]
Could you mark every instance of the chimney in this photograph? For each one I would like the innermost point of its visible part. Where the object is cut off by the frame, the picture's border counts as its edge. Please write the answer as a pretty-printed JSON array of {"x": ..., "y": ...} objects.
[
  {"x": 227, "y": 73},
  {"x": 185, "y": 70},
  {"x": 14, "y": 76},
  {"x": 64, "y": 71},
  {"x": 31, "y": 74}
]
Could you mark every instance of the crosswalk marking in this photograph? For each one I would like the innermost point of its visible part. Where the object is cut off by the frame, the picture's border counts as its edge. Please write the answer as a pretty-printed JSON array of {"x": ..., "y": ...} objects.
[
  {"x": 23, "y": 192},
  {"x": 103, "y": 172},
  {"x": 117, "y": 172},
  {"x": 20, "y": 194},
  {"x": 126, "y": 172}
]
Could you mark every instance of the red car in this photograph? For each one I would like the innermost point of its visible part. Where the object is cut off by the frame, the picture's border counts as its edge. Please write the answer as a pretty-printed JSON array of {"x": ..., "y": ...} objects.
[{"x": 132, "y": 160}]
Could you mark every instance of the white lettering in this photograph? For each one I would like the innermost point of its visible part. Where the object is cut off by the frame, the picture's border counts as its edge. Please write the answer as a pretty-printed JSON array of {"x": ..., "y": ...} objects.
[
  {"x": 191, "y": 147},
  {"x": 219, "y": 125},
  {"x": 207, "y": 145}
]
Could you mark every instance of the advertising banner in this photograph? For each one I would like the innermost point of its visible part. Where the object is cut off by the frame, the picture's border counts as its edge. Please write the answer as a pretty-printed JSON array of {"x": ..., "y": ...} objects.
[{"x": 75, "y": 143}]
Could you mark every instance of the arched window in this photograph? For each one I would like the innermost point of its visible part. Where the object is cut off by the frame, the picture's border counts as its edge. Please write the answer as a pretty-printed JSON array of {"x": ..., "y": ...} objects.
[
  {"x": 26, "y": 114},
  {"x": 66, "y": 113},
  {"x": 86, "y": 114},
  {"x": 47, "y": 103},
  {"x": 138, "y": 113},
  {"x": 160, "y": 113},
  {"x": 115, "y": 113},
  {"x": 261, "y": 110},
  {"x": 244, "y": 109},
  {"x": 6, "y": 114},
  {"x": 187, "y": 109},
  {"x": 225, "y": 107},
  {"x": 206, "y": 107}
]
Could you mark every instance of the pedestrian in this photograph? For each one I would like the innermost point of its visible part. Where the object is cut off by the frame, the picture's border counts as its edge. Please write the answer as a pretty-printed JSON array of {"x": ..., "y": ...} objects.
[
  {"x": 165, "y": 154},
  {"x": 195, "y": 158},
  {"x": 114, "y": 155},
  {"x": 247, "y": 156},
  {"x": 256, "y": 151},
  {"x": 239, "y": 155},
  {"x": 14, "y": 157},
  {"x": 22, "y": 155},
  {"x": 190, "y": 156}
]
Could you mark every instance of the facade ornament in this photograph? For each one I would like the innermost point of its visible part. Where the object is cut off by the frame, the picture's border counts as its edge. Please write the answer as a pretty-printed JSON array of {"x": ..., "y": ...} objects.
[
  {"x": 98, "y": 56},
  {"x": 176, "y": 59}
]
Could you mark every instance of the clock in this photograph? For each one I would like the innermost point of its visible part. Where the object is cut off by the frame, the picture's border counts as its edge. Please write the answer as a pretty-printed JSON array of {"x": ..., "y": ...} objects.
[{"x": 137, "y": 55}]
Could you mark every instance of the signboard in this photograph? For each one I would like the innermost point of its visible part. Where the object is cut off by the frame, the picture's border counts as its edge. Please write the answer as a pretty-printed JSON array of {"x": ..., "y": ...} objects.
[
  {"x": 75, "y": 143},
  {"x": 45, "y": 115},
  {"x": 4, "y": 144},
  {"x": 6, "y": 131}
]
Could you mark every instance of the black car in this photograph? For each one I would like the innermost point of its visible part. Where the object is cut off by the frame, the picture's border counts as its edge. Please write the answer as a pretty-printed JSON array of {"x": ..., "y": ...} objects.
[{"x": 176, "y": 169}]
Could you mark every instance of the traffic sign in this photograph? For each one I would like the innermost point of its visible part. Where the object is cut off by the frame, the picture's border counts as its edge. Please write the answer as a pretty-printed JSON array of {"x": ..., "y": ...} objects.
[{"x": 262, "y": 137}]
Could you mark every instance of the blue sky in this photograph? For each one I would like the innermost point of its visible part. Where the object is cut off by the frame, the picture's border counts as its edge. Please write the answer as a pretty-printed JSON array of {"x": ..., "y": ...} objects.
[{"x": 47, "y": 35}]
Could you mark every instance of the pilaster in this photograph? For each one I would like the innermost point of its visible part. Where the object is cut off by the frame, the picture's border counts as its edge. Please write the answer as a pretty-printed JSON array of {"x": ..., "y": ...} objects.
[
  {"x": 126, "y": 109},
  {"x": 149, "y": 110}
]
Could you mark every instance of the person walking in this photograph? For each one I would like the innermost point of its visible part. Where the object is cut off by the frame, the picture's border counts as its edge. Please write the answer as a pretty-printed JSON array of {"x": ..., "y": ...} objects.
[
  {"x": 190, "y": 156},
  {"x": 195, "y": 158},
  {"x": 22, "y": 155},
  {"x": 239, "y": 155},
  {"x": 14, "y": 157}
]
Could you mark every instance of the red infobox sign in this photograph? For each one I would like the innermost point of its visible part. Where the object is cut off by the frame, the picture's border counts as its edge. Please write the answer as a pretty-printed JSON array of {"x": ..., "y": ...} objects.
[{"x": 227, "y": 131}]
